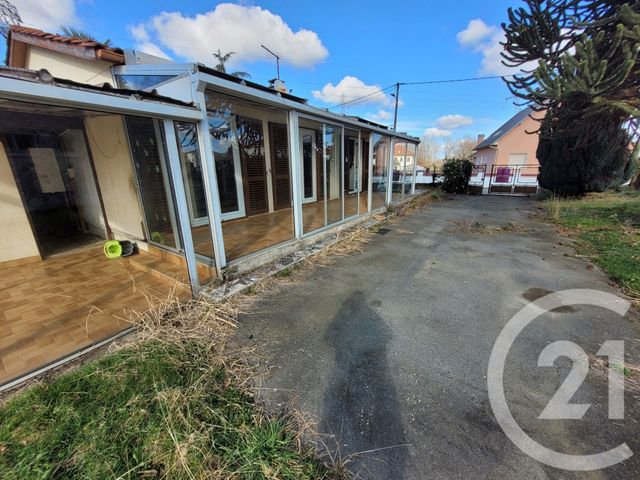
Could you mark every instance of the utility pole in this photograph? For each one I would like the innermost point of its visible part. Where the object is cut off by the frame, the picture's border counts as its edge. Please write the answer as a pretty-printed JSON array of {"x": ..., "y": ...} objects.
[
  {"x": 277, "y": 59},
  {"x": 395, "y": 114}
]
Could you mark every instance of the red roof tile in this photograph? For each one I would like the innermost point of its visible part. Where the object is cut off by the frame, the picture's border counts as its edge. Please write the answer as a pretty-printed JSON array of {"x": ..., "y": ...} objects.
[{"x": 102, "y": 51}]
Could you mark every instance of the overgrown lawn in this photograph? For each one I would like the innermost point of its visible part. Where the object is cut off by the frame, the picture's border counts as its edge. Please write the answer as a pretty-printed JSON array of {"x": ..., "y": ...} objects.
[
  {"x": 607, "y": 228},
  {"x": 151, "y": 410}
]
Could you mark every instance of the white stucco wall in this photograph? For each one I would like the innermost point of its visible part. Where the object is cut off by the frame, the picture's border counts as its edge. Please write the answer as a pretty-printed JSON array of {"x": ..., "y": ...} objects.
[
  {"x": 93, "y": 72},
  {"x": 86, "y": 193},
  {"x": 17, "y": 240},
  {"x": 114, "y": 168}
]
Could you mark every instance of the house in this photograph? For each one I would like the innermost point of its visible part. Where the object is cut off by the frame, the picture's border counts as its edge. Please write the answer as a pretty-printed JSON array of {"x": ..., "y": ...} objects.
[
  {"x": 404, "y": 167},
  {"x": 506, "y": 160},
  {"x": 209, "y": 175}
]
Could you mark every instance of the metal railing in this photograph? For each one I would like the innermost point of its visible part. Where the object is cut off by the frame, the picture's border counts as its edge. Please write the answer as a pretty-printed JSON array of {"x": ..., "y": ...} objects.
[{"x": 504, "y": 179}]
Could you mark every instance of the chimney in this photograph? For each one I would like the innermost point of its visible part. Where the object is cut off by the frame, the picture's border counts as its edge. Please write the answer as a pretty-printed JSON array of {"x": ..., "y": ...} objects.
[{"x": 480, "y": 138}]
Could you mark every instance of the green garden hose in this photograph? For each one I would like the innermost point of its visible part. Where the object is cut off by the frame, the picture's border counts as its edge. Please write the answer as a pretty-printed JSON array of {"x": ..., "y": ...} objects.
[{"x": 112, "y": 249}]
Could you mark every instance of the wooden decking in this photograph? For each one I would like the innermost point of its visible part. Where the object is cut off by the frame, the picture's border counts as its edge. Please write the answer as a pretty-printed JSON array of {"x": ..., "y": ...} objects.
[{"x": 53, "y": 308}]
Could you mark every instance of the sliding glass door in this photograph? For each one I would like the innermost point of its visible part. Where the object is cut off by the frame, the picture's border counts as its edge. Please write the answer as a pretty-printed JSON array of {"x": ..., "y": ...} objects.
[
  {"x": 309, "y": 165},
  {"x": 380, "y": 170},
  {"x": 147, "y": 151},
  {"x": 351, "y": 172},
  {"x": 190, "y": 163},
  {"x": 192, "y": 174},
  {"x": 333, "y": 173},
  {"x": 399, "y": 154},
  {"x": 250, "y": 144},
  {"x": 322, "y": 162}
]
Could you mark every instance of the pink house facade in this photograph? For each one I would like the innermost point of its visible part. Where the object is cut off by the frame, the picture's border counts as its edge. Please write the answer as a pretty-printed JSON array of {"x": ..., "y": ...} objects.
[{"x": 505, "y": 161}]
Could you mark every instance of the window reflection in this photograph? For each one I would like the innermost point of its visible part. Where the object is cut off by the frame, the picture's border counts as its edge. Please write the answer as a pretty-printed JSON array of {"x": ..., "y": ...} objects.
[
  {"x": 380, "y": 169},
  {"x": 251, "y": 153}
]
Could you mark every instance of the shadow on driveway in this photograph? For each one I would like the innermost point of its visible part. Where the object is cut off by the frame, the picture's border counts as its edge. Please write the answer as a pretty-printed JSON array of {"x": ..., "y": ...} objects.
[{"x": 360, "y": 405}]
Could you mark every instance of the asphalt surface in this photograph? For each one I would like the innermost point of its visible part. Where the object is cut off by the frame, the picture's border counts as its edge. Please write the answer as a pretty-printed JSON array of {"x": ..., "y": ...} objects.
[{"x": 388, "y": 349}]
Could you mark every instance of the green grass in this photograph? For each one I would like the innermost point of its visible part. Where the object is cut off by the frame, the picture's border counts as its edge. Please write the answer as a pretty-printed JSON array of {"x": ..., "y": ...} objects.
[
  {"x": 286, "y": 272},
  {"x": 626, "y": 372},
  {"x": 153, "y": 410},
  {"x": 607, "y": 228}
]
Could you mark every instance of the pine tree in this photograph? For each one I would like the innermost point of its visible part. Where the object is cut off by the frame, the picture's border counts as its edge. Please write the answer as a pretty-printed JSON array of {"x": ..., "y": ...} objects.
[{"x": 586, "y": 81}]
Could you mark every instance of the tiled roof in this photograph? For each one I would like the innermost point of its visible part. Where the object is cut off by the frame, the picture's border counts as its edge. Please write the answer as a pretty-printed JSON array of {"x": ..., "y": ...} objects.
[
  {"x": 101, "y": 50},
  {"x": 505, "y": 128}
]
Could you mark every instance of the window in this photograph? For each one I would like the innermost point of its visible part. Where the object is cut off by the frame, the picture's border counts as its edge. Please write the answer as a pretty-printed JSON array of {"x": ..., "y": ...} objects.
[{"x": 380, "y": 170}]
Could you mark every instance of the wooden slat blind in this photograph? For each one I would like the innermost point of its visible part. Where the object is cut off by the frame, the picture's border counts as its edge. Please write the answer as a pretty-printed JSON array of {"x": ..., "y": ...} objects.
[
  {"x": 279, "y": 141},
  {"x": 251, "y": 143}
]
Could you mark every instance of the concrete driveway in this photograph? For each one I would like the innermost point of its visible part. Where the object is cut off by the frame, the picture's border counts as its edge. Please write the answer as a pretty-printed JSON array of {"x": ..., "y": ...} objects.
[{"x": 389, "y": 348}]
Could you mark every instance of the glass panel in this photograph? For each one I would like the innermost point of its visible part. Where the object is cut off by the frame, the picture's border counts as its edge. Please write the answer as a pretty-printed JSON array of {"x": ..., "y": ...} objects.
[
  {"x": 364, "y": 177},
  {"x": 254, "y": 168},
  {"x": 410, "y": 163},
  {"x": 251, "y": 151},
  {"x": 225, "y": 154},
  {"x": 399, "y": 153},
  {"x": 380, "y": 170},
  {"x": 351, "y": 160},
  {"x": 187, "y": 136},
  {"x": 333, "y": 172},
  {"x": 311, "y": 159},
  {"x": 307, "y": 140},
  {"x": 192, "y": 173},
  {"x": 140, "y": 82},
  {"x": 152, "y": 172}
]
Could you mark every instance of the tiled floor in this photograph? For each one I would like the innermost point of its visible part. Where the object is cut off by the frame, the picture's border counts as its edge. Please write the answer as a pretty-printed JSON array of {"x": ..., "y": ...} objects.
[
  {"x": 248, "y": 235},
  {"x": 55, "y": 307}
]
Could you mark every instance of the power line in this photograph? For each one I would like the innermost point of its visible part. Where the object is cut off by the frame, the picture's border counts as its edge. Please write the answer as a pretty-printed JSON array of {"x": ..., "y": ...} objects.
[
  {"x": 363, "y": 97},
  {"x": 471, "y": 79},
  {"x": 426, "y": 82}
]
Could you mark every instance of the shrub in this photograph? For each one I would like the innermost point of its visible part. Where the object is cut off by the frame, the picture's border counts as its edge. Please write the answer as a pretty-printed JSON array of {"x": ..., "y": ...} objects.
[{"x": 457, "y": 172}]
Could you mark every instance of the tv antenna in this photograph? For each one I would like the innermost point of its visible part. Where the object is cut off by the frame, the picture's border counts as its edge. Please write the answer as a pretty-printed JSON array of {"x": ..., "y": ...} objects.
[{"x": 277, "y": 59}]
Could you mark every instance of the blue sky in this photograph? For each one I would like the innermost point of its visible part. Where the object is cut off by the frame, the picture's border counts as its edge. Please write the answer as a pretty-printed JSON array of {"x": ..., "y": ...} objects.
[{"x": 374, "y": 44}]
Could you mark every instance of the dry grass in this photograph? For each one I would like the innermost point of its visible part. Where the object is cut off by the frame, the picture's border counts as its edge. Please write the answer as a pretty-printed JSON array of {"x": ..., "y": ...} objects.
[
  {"x": 554, "y": 208},
  {"x": 630, "y": 372},
  {"x": 172, "y": 320},
  {"x": 347, "y": 242},
  {"x": 479, "y": 228},
  {"x": 176, "y": 401},
  {"x": 420, "y": 201}
]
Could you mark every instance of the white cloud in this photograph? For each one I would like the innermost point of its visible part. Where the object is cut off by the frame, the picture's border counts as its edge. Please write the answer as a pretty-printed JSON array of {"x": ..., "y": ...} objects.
[
  {"x": 485, "y": 39},
  {"x": 450, "y": 122},
  {"x": 143, "y": 41},
  {"x": 47, "y": 15},
  {"x": 236, "y": 28},
  {"x": 350, "y": 89},
  {"x": 434, "y": 132},
  {"x": 381, "y": 115},
  {"x": 476, "y": 32}
]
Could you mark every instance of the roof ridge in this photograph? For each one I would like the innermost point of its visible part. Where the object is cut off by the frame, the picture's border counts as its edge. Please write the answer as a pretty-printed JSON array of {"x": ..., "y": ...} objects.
[
  {"x": 55, "y": 37},
  {"x": 505, "y": 128}
]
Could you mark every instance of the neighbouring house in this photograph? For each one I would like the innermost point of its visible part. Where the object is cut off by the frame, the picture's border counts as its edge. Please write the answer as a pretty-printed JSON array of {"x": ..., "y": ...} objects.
[
  {"x": 210, "y": 175},
  {"x": 505, "y": 161},
  {"x": 404, "y": 168}
]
